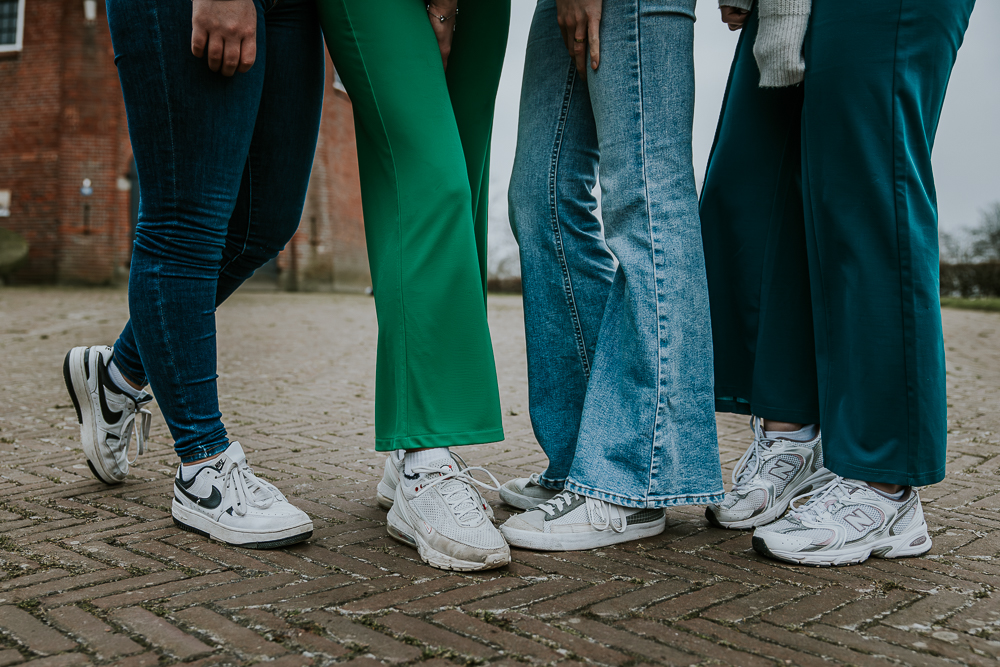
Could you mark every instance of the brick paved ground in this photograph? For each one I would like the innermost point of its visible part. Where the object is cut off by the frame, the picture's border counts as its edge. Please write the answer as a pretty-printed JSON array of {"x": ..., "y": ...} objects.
[{"x": 98, "y": 575}]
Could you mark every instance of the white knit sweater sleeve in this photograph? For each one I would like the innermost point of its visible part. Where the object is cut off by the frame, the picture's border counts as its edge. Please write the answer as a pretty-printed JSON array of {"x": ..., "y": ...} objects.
[
  {"x": 780, "y": 35},
  {"x": 738, "y": 4}
]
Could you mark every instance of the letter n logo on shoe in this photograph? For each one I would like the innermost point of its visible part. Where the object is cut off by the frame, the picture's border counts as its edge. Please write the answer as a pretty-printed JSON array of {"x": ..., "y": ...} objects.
[
  {"x": 783, "y": 470},
  {"x": 858, "y": 520}
]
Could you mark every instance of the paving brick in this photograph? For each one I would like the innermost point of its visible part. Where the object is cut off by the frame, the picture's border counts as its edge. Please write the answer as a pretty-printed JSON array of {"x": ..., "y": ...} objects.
[
  {"x": 572, "y": 602},
  {"x": 64, "y": 584},
  {"x": 158, "y": 632},
  {"x": 31, "y": 632},
  {"x": 811, "y": 607},
  {"x": 509, "y": 642},
  {"x": 287, "y": 592},
  {"x": 928, "y": 611},
  {"x": 569, "y": 642},
  {"x": 64, "y": 660},
  {"x": 265, "y": 622},
  {"x": 9, "y": 657},
  {"x": 629, "y": 642},
  {"x": 165, "y": 590},
  {"x": 243, "y": 641},
  {"x": 460, "y": 596},
  {"x": 733, "y": 637},
  {"x": 345, "y": 631},
  {"x": 876, "y": 646},
  {"x": 695, "y": 644},
  {"x": 434, "y": 636},
  {"x": 525, "y": 596},
  {"x": 338, "y": 596},
  {"x": 756, "y": 603},
  {"x": 866, "y": 609},
  {"x": 232, "y": 590},
  {"x": 92, "y": 632},
  {"x": 700, "y": 599},
  {"x": 622, "y": 606},
  {"x": 149, "y": 659},
  {"x": 124, "y": 584},
  {"x": 400, "y": 596}
]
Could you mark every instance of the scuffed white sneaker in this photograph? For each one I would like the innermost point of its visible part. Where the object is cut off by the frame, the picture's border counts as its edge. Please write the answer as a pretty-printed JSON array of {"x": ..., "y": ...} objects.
[
  {"x": 228, "y": 503},
  {"x": 571, "y": 522},
  {"x": 525, "y": 492},
  {"x": 767, "y": 477},
  {"x": 108, "y": 417},
  {"x": 385, "y": 492},
  {"x": 438, "y": 511},
  {"x": 846, "y": 522}
]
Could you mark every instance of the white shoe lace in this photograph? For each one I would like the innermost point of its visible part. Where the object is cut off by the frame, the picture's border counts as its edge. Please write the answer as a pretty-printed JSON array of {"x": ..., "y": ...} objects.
[
  {"x": 457, "y": 491},
  {"x": 749, "y": 463},
  {"x": 599, "y": 508},
  {"x": 824, "y": 501},
  {"x": 248, "y": 487},
  {"x": 141, "y": 430}
]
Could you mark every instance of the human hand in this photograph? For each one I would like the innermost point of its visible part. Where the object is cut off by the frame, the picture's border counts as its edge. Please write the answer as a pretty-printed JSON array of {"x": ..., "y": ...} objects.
[
  {"x": 225, "y": 31},
  {"x": 580, "y": 24},
  {"x": 734, "y": 17},
  {"x": 444, "y": 29}
]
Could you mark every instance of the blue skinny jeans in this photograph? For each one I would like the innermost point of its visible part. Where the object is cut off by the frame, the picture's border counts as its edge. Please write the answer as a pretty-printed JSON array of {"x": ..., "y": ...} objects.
[{"x": 223, "y": 166}]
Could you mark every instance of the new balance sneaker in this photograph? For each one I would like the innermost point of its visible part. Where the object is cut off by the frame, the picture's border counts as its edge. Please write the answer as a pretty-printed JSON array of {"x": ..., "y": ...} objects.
[
  {"x": 108, "y": 417},
  {"x": 846, "y": 522},
  {"x": 525, "y": 492},
  {"x": 766, "y": 478},
  {"x": 570, "y": 522},
  {"x": 385, "y": 492},
  {"x": 439, "y": 511},
  {"x": 230, "y": 504}
]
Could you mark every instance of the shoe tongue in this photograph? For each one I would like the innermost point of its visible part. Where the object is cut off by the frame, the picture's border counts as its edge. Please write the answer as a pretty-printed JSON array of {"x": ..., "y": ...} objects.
[{"x": 235, "y": 453}]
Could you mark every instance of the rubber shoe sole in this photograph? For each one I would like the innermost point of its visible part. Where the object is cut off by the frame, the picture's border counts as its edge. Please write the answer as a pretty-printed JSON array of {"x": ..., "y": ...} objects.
[
  {"x": 196, "y": 522},
  {"x": 816, "y": 481},
  {"x": 900, "y": 546},
  {"x": 74, "y": 375},
  {"x": 529, "y": 539},
  {"x": 400, "y": 530}
]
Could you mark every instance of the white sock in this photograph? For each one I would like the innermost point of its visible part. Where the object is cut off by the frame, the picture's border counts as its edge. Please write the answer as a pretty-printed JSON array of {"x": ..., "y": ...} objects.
[
  {"x": 421, "y": 458},
  {"x": 189, "y": 470},
  {"x": 807, "y": 433},
  {"x": 893, "y": 496},
  {"x": 120, "y": 382}
]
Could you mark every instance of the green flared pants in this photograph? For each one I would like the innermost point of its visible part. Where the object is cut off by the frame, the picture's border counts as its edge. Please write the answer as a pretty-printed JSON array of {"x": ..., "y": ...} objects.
[
  {"x": 423, "y": 154},
  {"x": 820, "y": 227}
]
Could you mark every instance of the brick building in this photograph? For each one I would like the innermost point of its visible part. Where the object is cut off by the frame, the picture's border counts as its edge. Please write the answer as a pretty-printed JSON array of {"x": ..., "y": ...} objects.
[{"x": 66, "y": 168}]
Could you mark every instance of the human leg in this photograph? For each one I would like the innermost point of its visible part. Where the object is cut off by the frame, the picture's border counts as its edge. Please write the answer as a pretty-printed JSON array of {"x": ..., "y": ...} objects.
[{"x": 566, "y": 267}]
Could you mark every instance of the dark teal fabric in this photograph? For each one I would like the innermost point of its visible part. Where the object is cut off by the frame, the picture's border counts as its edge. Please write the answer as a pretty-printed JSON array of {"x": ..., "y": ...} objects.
[{"x": 820, "y": 226}]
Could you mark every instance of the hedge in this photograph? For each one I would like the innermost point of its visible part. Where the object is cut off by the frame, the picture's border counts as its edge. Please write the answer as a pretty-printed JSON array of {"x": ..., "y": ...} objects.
[{"x": 981, "y": 279}]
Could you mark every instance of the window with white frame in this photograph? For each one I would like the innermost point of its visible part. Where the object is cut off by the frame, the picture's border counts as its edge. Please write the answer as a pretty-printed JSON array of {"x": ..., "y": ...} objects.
[{"x": 11, "y": 25}]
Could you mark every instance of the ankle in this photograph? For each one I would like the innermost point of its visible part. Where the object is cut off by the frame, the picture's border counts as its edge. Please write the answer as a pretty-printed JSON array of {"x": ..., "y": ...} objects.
[
  {"x": 782, "y": 427},
  {"x": 891, "y": 489}
]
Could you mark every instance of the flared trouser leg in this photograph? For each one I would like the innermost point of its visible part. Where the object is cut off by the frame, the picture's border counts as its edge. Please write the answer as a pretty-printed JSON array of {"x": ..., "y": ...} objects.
[
  {"x": 876, "y": 76},
  {"x": 423, "y": 150}
]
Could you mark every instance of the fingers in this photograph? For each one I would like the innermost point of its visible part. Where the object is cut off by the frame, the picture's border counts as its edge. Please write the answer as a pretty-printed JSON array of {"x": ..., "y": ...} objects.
[
  {"x": 230, "y": 57},
  {"x": 594, "y": 33},
  {"x": 199, "y": 38},
  {"x": 248, "y": 54},
  {"x": 579, "y": 51},
  {"x": 215, "y": 51}
]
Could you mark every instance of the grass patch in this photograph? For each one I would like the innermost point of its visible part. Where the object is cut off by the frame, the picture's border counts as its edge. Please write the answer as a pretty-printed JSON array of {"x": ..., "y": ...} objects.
[{"x": 991, "y": 305}]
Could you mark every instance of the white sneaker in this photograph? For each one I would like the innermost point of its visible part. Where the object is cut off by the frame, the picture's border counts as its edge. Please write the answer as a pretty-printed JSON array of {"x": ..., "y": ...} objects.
[
  {"x": 107, "y": 415},
  {"x": 846, "y": 522},
  {"x": 228, "y": 503},
  {"x": 440, "y": 513},
  {"x": 767, "y": 477},
  {"x": 571, "y": 522},
  {"x": 525, "y": 492},
  {"x": 385, "y": 492}
]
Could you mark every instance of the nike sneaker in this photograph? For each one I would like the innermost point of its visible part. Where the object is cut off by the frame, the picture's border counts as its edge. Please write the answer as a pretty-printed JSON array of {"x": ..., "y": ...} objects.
[
  {"x": 525, "y": 492},
  {"x": 438, "y": 511},
  {"x": 108, "y": 417},
  {"x": 385, "y": 492},
  {"x": 846, "y": 522},
  {"x": 767, "y": 477},
  {"x": 571, "y": 522},
  {"x": 228, "y": 503}
]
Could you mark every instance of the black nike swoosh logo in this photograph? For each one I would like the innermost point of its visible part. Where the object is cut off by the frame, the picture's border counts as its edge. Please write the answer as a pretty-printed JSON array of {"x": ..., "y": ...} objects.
[
  {"x": 213, "y": 501},
  {"x": 110, "y": 416}
]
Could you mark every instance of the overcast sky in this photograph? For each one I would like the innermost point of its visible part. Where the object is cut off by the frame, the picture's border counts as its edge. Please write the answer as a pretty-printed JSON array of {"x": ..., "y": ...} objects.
[{"x": 966, "y": 154}]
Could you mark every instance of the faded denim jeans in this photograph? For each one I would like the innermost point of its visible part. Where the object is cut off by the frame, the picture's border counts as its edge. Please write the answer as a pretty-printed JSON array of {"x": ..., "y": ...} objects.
[{"x": 619, "y": 354}]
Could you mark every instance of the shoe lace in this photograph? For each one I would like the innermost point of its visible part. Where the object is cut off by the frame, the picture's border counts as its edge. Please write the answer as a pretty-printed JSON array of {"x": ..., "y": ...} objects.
[
  {"x": 140, "y": 428},
  {"x": 749, "y": 463},
  {"x": 598, "y": 508},
  {"x": 455, "y": 486},
  {"x": 824, "y": 501},
  {"x": 251, "y": 491}
]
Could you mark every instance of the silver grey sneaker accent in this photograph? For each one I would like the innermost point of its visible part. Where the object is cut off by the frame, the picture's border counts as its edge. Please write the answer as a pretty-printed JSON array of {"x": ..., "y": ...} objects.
[
  {"x": 571, "y": 522},
  {"x": 767, "y": 477},
  {"x": 846, "y": 522},
  {"x": 525, "y": 492},
  {"x": 385, "y": 492}
]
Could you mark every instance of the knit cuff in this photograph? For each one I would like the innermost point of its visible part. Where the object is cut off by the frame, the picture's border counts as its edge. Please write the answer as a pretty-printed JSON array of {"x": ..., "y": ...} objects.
[
  {"x": 745, "y": 5},
  {"x": 778, "y": 49}
]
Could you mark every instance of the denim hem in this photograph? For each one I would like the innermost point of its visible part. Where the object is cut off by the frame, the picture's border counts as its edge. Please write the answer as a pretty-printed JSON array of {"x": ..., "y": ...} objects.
[
  {"x": 431, "y": 440},
  {"x": 552, "y": 484},
  {"x": 648, "y": 501},
  {"x": 863, "y": 474},
  {"x": 205, "y": 453}
]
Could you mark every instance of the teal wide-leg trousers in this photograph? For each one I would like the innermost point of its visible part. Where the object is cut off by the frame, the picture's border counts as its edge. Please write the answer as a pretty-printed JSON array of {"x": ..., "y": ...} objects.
[{"x": 820, "y": 228}]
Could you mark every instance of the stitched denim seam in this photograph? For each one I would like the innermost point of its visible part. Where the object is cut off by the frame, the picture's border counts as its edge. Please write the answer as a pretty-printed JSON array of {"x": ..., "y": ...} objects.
[
  {"x": 556, "y": 231},
  {"x": 648, "y": 501}
]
